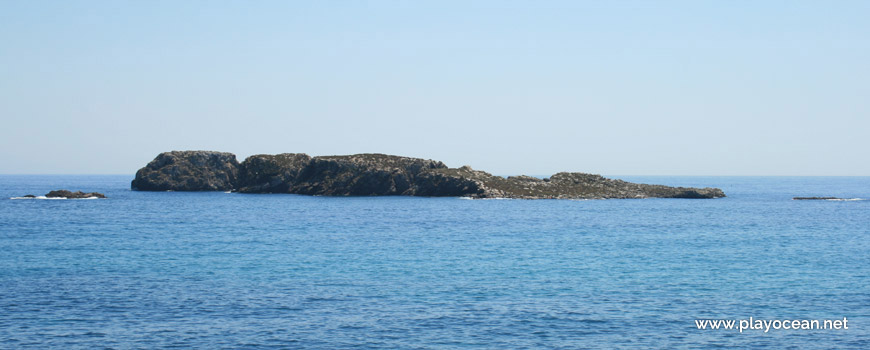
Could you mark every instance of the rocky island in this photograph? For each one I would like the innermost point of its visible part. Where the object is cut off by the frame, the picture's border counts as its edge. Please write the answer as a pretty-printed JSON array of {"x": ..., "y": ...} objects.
[
  {"x": 377, "y": 175},
  {"x": 69, "y": 195},
  {"x": 73, "y": 195}
]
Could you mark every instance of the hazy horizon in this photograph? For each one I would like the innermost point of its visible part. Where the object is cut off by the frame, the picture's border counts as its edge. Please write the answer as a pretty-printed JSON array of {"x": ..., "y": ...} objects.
[{"x": 691, "y": 88}]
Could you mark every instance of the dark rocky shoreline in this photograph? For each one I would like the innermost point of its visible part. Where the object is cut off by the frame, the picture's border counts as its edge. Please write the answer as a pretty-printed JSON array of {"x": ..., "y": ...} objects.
[{"x": 377, "y": 175}]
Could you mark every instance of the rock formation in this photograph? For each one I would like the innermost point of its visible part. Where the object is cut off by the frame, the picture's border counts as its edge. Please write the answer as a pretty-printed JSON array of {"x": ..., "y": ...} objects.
[
  {"x": 362, "y": 175},
  {"x": 72, "y": 195},
  {"x": 377, "y": 175},
  {"x": 189, "y": 171},
  {"x": 265, "y": 173},
  {"x": 563, "y": 185}
]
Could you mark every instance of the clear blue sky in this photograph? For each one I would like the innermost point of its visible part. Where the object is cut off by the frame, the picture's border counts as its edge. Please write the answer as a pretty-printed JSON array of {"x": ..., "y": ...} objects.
[{"x": 611, "y": 87}]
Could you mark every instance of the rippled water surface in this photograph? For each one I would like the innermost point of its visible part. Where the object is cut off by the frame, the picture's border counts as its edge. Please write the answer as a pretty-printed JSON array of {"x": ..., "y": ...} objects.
[{"x": 219, "y": 270}]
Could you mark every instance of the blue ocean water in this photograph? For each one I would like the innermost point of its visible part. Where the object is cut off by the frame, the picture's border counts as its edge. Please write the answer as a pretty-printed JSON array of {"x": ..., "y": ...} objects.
[{"x": 226, "y": 270}]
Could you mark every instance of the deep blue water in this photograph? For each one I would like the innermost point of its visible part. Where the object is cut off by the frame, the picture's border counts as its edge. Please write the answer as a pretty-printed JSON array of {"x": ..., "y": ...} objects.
[{"x": 217, "y": 270}]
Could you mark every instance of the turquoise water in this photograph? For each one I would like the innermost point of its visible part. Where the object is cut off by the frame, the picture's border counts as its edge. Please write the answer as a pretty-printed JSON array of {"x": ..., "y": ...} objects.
[{"x": 219, "y": 270}]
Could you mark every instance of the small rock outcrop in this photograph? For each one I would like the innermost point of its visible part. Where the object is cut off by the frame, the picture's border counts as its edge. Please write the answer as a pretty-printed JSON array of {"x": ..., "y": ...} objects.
[
  {"x": 189, "y": 171},
  {"x": 378, "y": 175},
  {"x": 71, "y": 195}
]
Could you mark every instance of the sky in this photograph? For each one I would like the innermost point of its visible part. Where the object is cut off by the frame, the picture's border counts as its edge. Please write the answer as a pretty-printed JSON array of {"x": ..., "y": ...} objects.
[{"x": 510, "y": 87}]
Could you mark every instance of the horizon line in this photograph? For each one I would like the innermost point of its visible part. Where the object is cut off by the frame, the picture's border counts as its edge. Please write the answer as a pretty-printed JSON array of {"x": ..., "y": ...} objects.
[{"x": 502, "y": 175}]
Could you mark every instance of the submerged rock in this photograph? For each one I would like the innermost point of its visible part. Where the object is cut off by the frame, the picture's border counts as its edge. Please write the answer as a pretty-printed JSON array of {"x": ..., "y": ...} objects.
[
  {"x": 378, "y": 175},
  {"x": 71, "y": 195},
  {"x": 816, "y": 198}
]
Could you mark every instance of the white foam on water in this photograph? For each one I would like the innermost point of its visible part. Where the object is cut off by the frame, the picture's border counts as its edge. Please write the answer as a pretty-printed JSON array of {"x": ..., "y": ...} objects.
[{"x": 845, "y": 199}]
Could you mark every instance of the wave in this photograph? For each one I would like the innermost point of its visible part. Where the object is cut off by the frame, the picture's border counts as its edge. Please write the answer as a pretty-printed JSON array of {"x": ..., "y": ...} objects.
[{"x": 845, "y": 199}]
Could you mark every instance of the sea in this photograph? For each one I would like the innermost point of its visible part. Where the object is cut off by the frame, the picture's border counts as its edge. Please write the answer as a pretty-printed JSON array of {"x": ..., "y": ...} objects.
[{"x": 214, "y": 270}]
